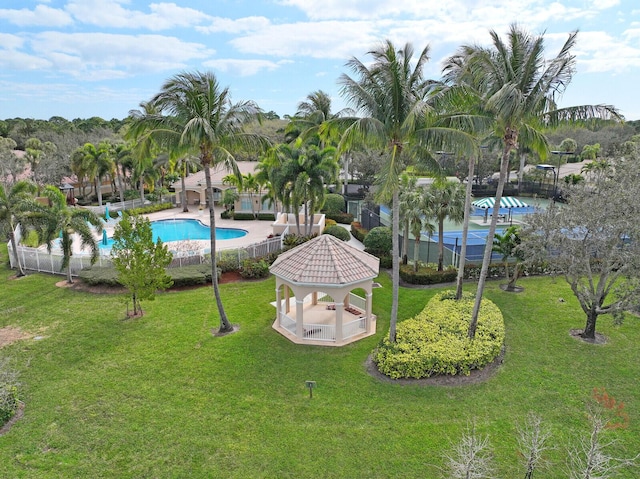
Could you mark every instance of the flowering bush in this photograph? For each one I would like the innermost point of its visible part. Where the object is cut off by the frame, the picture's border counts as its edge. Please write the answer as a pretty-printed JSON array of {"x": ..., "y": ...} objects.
[{"x": 436, "y": 342}]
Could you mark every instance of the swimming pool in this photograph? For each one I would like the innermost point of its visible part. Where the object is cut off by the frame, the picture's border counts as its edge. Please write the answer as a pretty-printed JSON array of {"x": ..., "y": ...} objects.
[{"x": 185, "y": 230}]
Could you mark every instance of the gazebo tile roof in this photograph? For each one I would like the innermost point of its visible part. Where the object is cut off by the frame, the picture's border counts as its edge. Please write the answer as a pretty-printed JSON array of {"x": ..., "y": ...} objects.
[{"x": 326, "y": 260}]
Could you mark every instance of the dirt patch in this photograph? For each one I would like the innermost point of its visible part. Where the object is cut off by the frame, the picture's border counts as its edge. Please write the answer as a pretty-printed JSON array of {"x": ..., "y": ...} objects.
[
  {"x": 218, "y": 334},
  {"x": 9, "y": 335},
  {"x": 476, "y": 376},
  {"x": 577, "y": 333},
  {"x": 79, "y": 285},
  {"x": 230, "y": 277}
]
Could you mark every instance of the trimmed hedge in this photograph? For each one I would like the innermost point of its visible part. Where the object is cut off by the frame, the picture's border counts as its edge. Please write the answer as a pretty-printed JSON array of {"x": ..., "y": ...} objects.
[
  {"x": 435, "y": 341},
  {"x": 378, "y": 241},
  {"x": 266, "y": 216},
  {"x": 427, "y": 274},
  {"x": 185, "y": 276},
  {"x": 243, "y": 216},
  {"x": 333, "y": 203},
  {"x": 337, "y": 231},
  {"x": 144, "y": 210},
  {"x": 100, "y": 275},
  {"x": 358, "y": 231},
  {"x": 342, "y": 218},
  {"x": 226, "y": 215}
]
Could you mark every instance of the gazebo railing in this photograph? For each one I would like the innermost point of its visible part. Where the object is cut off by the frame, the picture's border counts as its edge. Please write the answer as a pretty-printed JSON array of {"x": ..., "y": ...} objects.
[
  {"x": 355, "y": 327},
  {"x": 288, "y": 323},
  {"x": 320, "y": 332}
]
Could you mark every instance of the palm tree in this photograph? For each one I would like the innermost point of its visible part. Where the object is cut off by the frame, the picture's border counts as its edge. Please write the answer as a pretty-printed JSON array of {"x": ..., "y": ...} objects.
[
  {"x": 62, "y": 221},
  {"x": 192, "y": 112},
  {"x": 185, "y": 164},
  {"x": 14, "y": 203},
  {"x": 514, "y": 84},
  {"x": 507, "y": 245},
  {"x": 392, "y": 98},
  {"x": 447, "y": 201},
  {"x": 415, "y": 210}
]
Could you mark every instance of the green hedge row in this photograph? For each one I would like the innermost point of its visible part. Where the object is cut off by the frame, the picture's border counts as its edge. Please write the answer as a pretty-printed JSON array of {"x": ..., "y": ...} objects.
[
  {"x": 358, "y": 231},
  {"x": 427, "y": 275},
  {"x": 145, "y": 210},
  {"x": 341, "y": 217},
  {"x": 435, "y": 342}
]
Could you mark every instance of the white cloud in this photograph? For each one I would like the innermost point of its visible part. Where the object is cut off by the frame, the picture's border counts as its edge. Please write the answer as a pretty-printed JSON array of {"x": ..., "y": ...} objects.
[
  {"x": 245, "y": 67},
  {"x": 228, "y": 25},
  {"x": 97, "y": 56},
  {"x": 40, "y": 16},
  {"x": 600, "y": 52},
  {"x": 318, "y": 40},
  {"x": 110, "y": 13}
]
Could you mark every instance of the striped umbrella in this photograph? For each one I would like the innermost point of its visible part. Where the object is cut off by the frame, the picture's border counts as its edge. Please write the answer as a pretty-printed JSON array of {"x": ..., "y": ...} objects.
[{"x": 505, "y": 202}]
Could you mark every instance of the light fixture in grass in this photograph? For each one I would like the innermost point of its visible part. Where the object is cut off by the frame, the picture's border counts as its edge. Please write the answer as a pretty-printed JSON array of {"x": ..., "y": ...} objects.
[{"x": 435, "y": 342}]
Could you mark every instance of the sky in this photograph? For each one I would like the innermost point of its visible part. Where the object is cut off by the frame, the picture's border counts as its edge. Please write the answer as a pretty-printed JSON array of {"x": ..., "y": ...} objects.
[{"x": 85, "y": 58}]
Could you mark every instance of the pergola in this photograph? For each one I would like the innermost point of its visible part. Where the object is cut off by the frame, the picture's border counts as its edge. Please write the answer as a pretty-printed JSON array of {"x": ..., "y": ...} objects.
[{"x": 322, "y": 275}]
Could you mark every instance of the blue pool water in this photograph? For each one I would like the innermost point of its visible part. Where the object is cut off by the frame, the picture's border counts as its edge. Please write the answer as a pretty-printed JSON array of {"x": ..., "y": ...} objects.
[{"x": 185, "y": 229}]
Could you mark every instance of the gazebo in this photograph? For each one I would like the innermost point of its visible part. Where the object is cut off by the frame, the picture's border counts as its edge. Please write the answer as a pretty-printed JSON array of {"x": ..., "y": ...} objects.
[{"x": 323, "y": 274}]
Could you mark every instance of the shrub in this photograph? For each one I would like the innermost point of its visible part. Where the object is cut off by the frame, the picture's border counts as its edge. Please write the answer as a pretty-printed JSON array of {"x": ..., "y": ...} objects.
[
  {"x": 227, "y": 215},
  {"x": 386, "y": 261},
  {"x": 427, "y": 274},
  {"x": 243, "y": 216},
  {"x": 131, "y": 194},
  {"x": 230, "y": 260},
  {"x": 254, "y": 268},
  {"x": 378, "y": 241},
  {"x": 192, "y": 275},
  {"x": 329, "y": 222},
  {"x": 143, "y": 210},
  {"x": 333, "y": 203},
  {"x": 8, "y": 390},
  {"x": 100, "y": 275},
  {"x": 436, "y": 342},
  {"x": 266, "y": 216},
  {"x": 292, "y": 240},
  {"x": 343, "y": 218},
  {"x": 358, "y": 231},
  {"x": 337, "y": 231}
]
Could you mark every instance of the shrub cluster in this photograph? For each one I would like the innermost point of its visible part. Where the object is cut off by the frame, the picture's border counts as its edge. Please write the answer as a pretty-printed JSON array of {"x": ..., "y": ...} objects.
[
  {"x": 99, "y": 275},
  {"x": 266, "y": 216},
  {"x": 8, "y": 390},
  {"x": 292, "y": 240},
  {"x": 337, "y": 231},
  {"x": 358, "y": 231},
  {"x": 254, "y": 268},
  {"x": 226, "y": 215},
  {"x": 378, "y": 241},
  {"x": 427, "y": 274},
  {"x": 192, "y": 275},
  {"x": 436, "y": 342}
]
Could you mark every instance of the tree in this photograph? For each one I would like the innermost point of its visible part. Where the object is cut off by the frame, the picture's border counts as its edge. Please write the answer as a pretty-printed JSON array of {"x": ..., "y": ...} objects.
[
  {"x": 507, "y": 245},
  {"x": 517, "y": 87},
  {"x": 14, "y": 204},
  {"x": 139, "y": 261},
  {"x": 60, "y": 221},
  {"x": 447, "y": 201},
  {"x": 391, "y": 96},
  {"x": 194, "y": 114},
  {"x": 592, "y": 242},
  {"x": 11, "y": 165}
]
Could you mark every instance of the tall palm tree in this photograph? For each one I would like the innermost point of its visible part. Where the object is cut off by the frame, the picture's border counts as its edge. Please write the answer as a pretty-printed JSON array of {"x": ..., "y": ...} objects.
[
  {"x": 447, "y": 201},
  {"x": 415, "y": 211},
  {"x": 14, "y": 203},
  {"x": 391, "y": 97},
  {"x": 518, "y": 87},
  {"x": 58, "y": 220},
  {"x": 192, "y": 112}
]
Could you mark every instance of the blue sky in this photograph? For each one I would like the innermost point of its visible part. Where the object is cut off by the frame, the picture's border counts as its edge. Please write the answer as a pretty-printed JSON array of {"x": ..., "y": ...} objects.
[{"x": 83, "y": 58}]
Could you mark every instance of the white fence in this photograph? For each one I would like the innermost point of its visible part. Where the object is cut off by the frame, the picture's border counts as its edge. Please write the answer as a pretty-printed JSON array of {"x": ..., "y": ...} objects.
[{"x": 39, "y": 259}]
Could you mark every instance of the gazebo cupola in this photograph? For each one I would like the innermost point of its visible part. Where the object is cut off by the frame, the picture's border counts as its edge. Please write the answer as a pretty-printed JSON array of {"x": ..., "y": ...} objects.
[{"x": 323, "y": 275}]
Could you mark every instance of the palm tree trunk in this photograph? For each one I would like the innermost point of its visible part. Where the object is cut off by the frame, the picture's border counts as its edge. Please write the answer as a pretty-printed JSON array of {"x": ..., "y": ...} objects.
[
  {"x": 120, "y": 185},
  {"x": 14, "y": 246},
  {"x": 225, "y": 326},
  {"x": 416, "y": 254},
  {"x": 395, "y": 263},
  {"x": 465, "y": 229},
  {"x": 99, "y": 190},
  {"x": 183, "y": 195},
  {"x": 488, "y": 249},
  {"x": 440, "y": 244}
]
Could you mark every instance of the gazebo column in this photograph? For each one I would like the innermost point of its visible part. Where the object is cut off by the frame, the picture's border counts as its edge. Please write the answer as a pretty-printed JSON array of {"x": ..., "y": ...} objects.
[
  {"x": 299, "y": 318},
  {"x": 287, "y": 299},
  {"x": 278, "y": 306},
  {"x": 369, "y": 303},
  {"x": 339, "y": 313}
]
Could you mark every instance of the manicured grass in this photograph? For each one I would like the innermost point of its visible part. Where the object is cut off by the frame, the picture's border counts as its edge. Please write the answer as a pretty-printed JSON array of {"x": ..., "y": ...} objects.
[{"x": 161, "y": 397}]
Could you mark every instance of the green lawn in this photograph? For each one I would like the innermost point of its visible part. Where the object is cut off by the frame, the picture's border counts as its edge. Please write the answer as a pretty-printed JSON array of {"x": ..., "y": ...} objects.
[{"x": 160, "y": 397}]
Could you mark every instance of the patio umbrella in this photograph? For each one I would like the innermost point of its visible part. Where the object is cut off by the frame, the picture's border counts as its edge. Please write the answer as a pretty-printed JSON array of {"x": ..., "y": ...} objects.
[
  {"x": 106, "y": 213},
  {"x": 104, "y": 237},
  {"x": 505, "y": 202}
]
